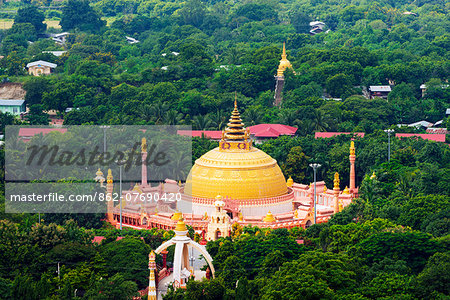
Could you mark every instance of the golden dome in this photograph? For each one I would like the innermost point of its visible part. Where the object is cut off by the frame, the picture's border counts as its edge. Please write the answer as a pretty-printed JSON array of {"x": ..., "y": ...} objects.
[{"x": 235, "y": 169}]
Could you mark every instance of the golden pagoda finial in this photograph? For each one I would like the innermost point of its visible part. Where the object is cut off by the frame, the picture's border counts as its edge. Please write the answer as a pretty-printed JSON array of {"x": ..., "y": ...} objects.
[
  {"x": 352, "y": 148},
  {"x": 336, "y": 180},
  {"x": 295, "y": 214},
  {"x": 241, "y": 217},
  {"x": 290, "y": 182},
  {"x": 235, "y": 99},
  {"x": 284, "y": 63},
  {"x": 269, "y": 218},
  {"x": 156, "y": 211},
  {"x": 109, "y": 178},
  {"x": 151, "y": 257},
  {"x": 325, "y": 188},
  {"x": 177, "y": 216},
  {"x": 181, "y": 226},
  {"x": 346, "y": 191},
  {"x": 341, "y": 205},
  {"x": 374, "y": 176},
  {"x": 144, "y": 145}
]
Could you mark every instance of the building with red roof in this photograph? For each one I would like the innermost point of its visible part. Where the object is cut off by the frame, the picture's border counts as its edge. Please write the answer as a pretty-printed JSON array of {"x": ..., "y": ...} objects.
[
  {"x": 26, "y": 133},
  {"x": 333, "y": 134},
  {"x": 426, "y": 136},
  {"x": 258, "y": 132}
]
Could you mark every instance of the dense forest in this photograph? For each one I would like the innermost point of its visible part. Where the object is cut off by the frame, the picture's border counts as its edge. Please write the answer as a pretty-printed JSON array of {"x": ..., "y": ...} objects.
[{"x": 183, "y": 64}]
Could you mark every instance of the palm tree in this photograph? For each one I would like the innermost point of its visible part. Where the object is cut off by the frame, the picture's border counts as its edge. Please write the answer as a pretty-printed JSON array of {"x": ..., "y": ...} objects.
[
  {"x": 288, "y": 117},
  {"x": 218, "y": 120},
  {"x": 173, "y": 117},
  {"x": 159, "y": 110},
  {"x": 319, "y": 123},
  {"x": 252, "y": 116},
  {"x": 146, "y": 112},
  {"x": 201, "y": 122}
]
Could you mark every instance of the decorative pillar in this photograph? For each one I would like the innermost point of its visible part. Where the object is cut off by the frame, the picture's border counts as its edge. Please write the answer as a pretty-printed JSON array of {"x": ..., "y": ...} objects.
[
  {"x": 352, "y": 158},
  {"x": 151, "y": 279},
  {"x": 336, "y": 191},
  {"x": 110, "y": 203},
  {"x": 144, "y": 162},
  {"x": 164, "y": 256}
]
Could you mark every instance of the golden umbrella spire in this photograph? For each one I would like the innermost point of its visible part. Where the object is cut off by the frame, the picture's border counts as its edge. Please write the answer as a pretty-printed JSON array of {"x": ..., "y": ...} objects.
[{"x": 235, "y": 130}]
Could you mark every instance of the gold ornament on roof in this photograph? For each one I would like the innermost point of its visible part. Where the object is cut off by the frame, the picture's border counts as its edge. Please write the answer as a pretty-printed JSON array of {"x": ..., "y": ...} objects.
[
  {"x": 177, "y": 216},
  {"x": 346, "y": 191},
  {"x": 352, "y": 148},
  {"x": 336, "y": 180},
  {"x": 181, "y": 226},
  {"x": 269, "y": 218},
  {"x": 374, "y": 176},
  {"x": 295, "y": 214},
  {"x": 290, "y": 182},
  {"x": 241, "y": 217}
]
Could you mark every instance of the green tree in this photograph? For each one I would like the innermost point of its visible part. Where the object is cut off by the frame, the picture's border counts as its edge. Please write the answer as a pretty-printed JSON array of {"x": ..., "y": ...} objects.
[
  {"x": 36, "y": 116},
  {"x": 296, "y": 164},
  {"x": 31, "y": 14},
  {"x": 79, "y": 14},
  {"x": 339, "y": 84},
  {"x": 116, "y": 288}
]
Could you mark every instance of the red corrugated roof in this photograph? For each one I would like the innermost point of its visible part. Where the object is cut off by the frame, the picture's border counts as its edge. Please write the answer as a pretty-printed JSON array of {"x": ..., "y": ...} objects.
[
  {"x": 260, "y": 130},
  {"x": 272, "y": 130},
  {"x": 332, "y": 134},
  {"x": 30, "y": 132},
  {"x": 212, "y": 134},
  {"x": 425, "y": 136}
]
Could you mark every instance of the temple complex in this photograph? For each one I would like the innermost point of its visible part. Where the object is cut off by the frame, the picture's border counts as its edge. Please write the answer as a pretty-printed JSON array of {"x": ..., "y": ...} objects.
[
  {"x": 279, "y": 77},
  {"x": 233, "y": 183}
]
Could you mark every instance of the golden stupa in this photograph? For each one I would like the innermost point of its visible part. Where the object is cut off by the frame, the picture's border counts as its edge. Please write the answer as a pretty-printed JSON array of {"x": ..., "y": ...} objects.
[
  {"x": 284, "y": 62},
  {"x": 236, "y": 169}
]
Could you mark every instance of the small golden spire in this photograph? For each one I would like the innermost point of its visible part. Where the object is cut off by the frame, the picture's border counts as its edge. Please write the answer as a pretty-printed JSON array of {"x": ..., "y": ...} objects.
[
  {"x": 241, "y": 217},
  {"x": 109, "y": 178},
  {"x": 324, "y": 188},
  {"x": 352, "y": 148},
  {"x": 346, "y": 191},
  {"x": 336, "y": 180},
  {"x": 151, "y": 256},
  {"x": 235, "y": 99},
  {"x": 295, "y": 214},
  {"x": 341, "y": 205},
  {"x": 284, "y": 51},
  {"x": 144, "y": 145},
  {"x": 156, "y": 211},
  {"x": 290, "y": 182},
  {"x": 374, "y": 176}
]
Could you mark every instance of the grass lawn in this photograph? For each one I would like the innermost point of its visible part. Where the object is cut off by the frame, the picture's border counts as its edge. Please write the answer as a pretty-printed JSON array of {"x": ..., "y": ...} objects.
[{"x": 7, "y": 23}]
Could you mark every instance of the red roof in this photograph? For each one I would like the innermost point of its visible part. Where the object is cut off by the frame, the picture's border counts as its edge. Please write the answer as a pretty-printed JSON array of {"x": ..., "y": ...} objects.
[
  {"x": 26, "y": 132},
  {"x": 260, "y": 130},
  {"x": 426, "y": 136},
  {"x": 332, "y": 134},
  {"x": 272, "y": 130},
  {"x": 212, "y": 134},
  {"x": 437, "y": 130},
  {"x": 98, "y": 239}
]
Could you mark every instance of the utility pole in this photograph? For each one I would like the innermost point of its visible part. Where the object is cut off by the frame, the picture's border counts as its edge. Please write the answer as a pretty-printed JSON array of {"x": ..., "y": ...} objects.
[{"x": 315, "y": 167}]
